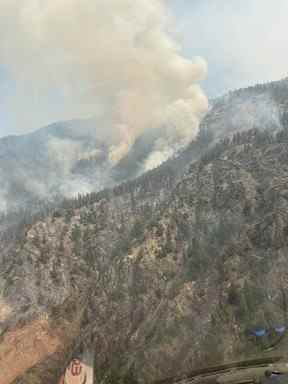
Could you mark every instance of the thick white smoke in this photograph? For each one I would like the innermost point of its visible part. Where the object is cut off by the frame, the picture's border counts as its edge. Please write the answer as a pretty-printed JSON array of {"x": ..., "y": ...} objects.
[{"x": 115, "y": 58}]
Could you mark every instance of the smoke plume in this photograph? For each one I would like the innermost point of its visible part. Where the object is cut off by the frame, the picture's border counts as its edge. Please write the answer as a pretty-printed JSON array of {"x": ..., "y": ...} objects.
[{"x": 111, "y": 58}]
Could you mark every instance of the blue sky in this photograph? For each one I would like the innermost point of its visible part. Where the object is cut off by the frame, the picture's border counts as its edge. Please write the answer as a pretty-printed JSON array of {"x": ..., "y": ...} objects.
[{"x": 243, "y": 42}]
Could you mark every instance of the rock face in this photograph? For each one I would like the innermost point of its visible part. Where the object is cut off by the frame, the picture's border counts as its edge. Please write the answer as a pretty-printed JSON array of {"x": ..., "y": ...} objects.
[
  {"x": 160, "y": 275},
  {"x": 24, "y": 347}
]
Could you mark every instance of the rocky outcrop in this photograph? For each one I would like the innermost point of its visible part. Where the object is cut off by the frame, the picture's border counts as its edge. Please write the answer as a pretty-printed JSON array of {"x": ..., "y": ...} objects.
[
  {"x": 25, "y": 346},
  {"x": 160, "y": 275}
]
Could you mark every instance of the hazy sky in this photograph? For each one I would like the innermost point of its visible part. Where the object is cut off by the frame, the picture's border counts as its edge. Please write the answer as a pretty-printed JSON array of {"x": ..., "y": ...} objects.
[{"x": 243, "y": 42}]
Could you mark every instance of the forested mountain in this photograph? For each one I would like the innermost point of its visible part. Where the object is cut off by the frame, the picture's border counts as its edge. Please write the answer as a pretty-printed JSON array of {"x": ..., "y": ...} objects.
[
  {"x": 160, "y": 275},
  {"x": 261, "y": 106},
  {"x": 73, "y": 157},
  {"x": 64, "y": 160}
]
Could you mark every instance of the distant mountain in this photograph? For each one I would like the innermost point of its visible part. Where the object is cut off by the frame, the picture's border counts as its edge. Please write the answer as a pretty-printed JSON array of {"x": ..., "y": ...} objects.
[
  {"x": 73, "y": 157},
  {"x": 63, "y": 160},
  {"x": 262, "y": 106}
]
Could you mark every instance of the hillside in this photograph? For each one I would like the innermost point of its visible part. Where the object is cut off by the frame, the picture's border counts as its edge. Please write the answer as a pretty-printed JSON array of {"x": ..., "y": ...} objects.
[
  {"x": 66, "y": 159},
  {"x": 73, "y": 157},
  {"x": 161, "y": 274},
  {"x": 261, "y": 106}
]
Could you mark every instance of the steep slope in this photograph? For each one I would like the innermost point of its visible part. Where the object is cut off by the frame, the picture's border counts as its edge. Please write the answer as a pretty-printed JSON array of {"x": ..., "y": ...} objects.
[
  {"x": 73, "y": 157},
  {"x": 160, "y": 276},
  {"x": 38, "y": 166},
  {"x": 262, "y": 106},
  {"x": 70, "y": 158}
]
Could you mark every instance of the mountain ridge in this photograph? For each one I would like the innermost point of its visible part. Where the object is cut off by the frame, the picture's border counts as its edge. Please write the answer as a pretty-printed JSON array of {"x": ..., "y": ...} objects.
[
  {"x": 160, "y": 274},
  {"x": 156, "y": 265},
  {"x": 75, "y": 158}
]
